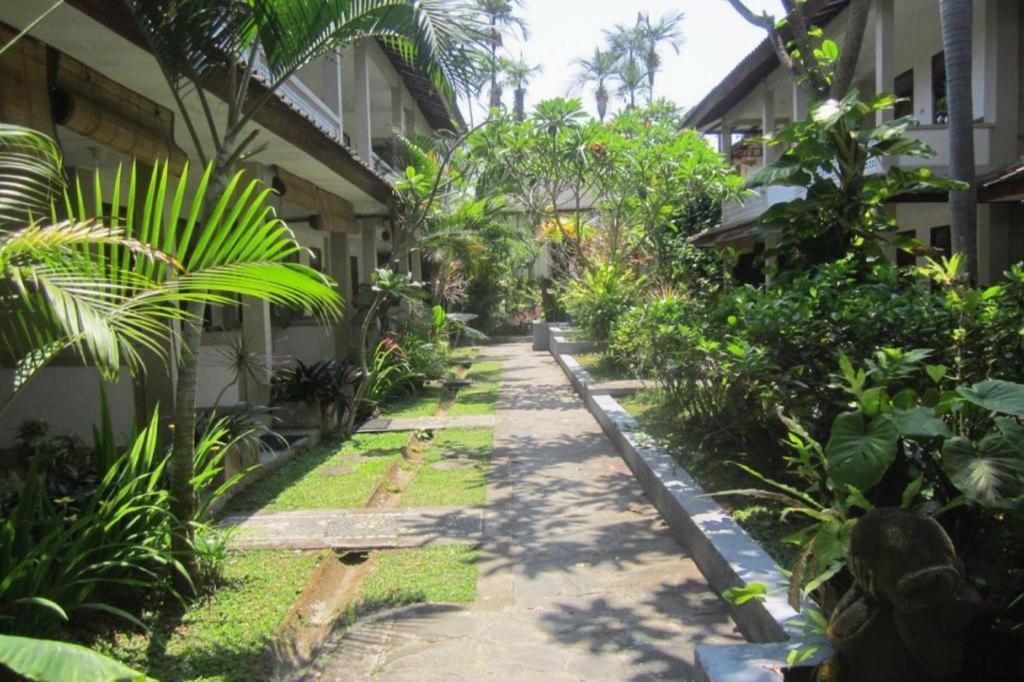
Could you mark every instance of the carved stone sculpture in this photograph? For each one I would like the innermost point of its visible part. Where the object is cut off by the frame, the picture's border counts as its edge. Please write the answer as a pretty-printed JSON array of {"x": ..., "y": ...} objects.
[{"x": 905, "y": 616}]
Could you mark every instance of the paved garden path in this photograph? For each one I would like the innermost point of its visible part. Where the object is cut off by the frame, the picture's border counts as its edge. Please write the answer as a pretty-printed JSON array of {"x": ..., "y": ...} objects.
[{"x": 579, "y": 578}]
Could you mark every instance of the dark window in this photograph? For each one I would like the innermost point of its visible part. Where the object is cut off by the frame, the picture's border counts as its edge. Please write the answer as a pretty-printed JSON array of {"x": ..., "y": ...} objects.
[
  {"x": 942, "y": 240},
  {"x": 903, "y": 87},
  {"x": 353, "y": 267},
  {"x": 748, "y": 268},
  {"x": 905, "y": 259},
  {"x": 939, "y": 106}
]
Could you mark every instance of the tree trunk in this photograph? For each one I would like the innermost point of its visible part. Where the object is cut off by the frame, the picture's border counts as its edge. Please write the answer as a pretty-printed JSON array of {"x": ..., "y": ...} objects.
[
  {"x": 520, "y": 106},
  {"x": 182, "y": 465},
  {"x": 963, "y": 204},
  {"x": 602, "y": 103}
]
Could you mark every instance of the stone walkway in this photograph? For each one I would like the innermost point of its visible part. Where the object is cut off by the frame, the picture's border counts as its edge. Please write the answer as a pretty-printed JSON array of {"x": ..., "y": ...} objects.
[
  {"x": 579, "y": 578},
  {"x": 356, "y": 529},
  {"x": 386, "y": 424}
]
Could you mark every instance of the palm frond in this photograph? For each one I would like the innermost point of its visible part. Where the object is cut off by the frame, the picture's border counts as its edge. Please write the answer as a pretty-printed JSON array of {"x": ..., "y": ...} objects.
[{"x": 31, "y": 173}]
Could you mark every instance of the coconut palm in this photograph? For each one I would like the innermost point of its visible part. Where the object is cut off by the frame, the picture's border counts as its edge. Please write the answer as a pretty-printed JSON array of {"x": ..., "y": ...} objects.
[
  {"x": 598, "y": 69},
  {"x": 653, "y": 34},
  {"x": 517, "y": 74},
  {"x": 963, "y": 204},
  {"x": 500, "y": 16},
  {"x": 201, "y": 43}
]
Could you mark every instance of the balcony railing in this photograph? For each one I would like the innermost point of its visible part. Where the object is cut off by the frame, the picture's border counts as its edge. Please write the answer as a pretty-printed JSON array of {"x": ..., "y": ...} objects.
[
  {"x": 752, "y": 206},
  {"x": 305, "y": 100}
]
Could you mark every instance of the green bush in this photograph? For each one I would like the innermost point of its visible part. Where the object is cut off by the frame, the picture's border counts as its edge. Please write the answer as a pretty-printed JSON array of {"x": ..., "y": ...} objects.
[{"x": 597, "y": 299}]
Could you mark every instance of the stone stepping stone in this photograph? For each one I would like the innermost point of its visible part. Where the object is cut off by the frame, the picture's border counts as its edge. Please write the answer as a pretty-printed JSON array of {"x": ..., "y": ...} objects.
[
  {"x": 387, "y": 425},
  {"x": 335, "y": 471},
  {"x": 356, "y": 529}
]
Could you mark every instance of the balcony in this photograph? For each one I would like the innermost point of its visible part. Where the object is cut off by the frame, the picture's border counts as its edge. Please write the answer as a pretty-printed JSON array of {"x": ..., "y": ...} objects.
[
  {"x": 747, "y": 210},
  {"x": 308, "y": 103},
  {"x": 937, "y": 137}
]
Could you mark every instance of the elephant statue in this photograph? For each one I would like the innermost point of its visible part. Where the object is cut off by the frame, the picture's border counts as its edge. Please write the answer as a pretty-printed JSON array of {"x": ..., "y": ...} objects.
[{"x": 904, "y": 618}]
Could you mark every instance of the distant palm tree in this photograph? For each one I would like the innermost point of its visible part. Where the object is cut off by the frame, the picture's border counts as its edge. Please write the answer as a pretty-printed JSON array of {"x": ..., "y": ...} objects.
[
  {"x": 598, "y": 69},
  {"x": 500, "y": 15},
  {"x": 631, "y": 79},
  {"x": 652, "y": 35},
  {"x": 517, "y": 74},
  {"x": 963, "y": 204}
]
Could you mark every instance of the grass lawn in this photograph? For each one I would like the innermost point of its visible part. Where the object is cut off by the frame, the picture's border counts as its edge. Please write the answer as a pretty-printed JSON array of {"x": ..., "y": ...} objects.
[
  {"x": 461, "y": 486},
  {"x": 482, "y": 396},
  {"x": 601, "y": 368},
  {"x": 222, "y": 637},
  {"x": 465, "y": 354},
  {"x": 443, "y": 573},
  {"x": 712, "y": 472},
  {"x": 420, "y": 404},
  {"x": 313, "y": 480}
]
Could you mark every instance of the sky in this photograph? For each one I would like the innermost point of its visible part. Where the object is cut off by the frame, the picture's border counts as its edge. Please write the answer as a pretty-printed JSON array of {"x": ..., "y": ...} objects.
[{"x": 715, "y": 38}]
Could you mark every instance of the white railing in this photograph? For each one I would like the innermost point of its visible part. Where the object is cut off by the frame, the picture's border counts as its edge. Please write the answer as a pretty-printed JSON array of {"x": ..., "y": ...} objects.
[
  {"x": 752, "y": 206},
  {"x": 305, "y": 100}
]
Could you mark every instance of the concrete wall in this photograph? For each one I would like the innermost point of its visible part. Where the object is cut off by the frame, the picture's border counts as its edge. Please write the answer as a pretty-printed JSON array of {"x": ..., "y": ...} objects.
[{"x": 68, "y": 398}]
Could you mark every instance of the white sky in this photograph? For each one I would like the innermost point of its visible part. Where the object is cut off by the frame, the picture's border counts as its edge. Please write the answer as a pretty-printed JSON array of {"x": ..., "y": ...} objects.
[{"x": 716, "y": 39}]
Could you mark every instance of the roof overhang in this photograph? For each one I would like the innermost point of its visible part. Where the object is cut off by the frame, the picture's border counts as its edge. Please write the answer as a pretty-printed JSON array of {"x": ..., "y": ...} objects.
[
  {"x": 754, "y": 68},
  {"x": 440, "y": 112},
  {"x": 277, "y": 116}
]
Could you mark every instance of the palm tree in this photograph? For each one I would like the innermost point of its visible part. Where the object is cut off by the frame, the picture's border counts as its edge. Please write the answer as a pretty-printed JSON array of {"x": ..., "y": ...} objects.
[
  {"x": 963, "y": 204},
  {"x": 653, "y": 34},
  {"x": 197, "y": 42},
  {"x": 598, "y": 69},
  {"x": 500, "y": 16},
  {"x": 517, "y": 74},
  {"x": 631, "y": 78}
]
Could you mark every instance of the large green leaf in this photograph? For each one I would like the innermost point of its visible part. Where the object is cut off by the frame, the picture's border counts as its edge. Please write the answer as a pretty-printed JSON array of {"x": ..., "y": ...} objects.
[
  {"x": 920, "y": 422},
  {"x": 996, "y": 395},
  {"x": 990, "y": 471},
  {"x": 860, "y": 451},
  {"x": 49, "y": 661}
]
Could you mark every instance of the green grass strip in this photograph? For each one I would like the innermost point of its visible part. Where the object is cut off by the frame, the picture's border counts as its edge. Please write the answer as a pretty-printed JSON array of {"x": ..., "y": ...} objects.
[
  {"x": 440, "y": 574},
  {"x": 457, "y": 486},
  {"x": 481, "y": 397}
]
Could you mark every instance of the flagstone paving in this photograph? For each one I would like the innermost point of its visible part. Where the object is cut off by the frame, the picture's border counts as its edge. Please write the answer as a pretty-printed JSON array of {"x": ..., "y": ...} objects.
[
  {"x": 579, "y": 577},
  {"x": 386, "y": 424},
  {"x": 356, "y": 529}
]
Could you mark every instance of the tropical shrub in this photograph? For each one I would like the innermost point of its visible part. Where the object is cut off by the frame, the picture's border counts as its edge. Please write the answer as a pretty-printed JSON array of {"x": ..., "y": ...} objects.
[
  {"x": 325, "y": 384},
  {"x": 599, "y": 297}
]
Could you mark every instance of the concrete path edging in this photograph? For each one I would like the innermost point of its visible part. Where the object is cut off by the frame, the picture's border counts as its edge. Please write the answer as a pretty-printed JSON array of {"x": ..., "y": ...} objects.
[
  {"x": 723, "y": 551},
  {"x": 559, "y": 344}
]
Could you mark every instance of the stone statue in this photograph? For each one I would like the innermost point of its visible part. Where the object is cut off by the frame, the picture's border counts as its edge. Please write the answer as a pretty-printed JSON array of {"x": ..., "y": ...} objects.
[{"x": 904, "y": 618}]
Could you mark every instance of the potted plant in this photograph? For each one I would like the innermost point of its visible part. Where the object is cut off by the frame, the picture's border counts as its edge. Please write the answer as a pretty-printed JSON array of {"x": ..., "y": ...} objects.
[{"x": 311, "y": 395}]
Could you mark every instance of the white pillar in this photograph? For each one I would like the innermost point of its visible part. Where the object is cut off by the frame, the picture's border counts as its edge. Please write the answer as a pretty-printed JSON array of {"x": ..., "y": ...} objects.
[
  {"x": 885, "y": 53},
  {"x": 398, "y": 121},
  {"x": 768, "y": 152},
  {"x": 725, "y": 141},
  {"x": 363, "y": 131},
  {"x": 369, "y": 249},
  {"x": 341, "y": 93},
  {"x": 801, "y": 102},
  {"x": 341, "y": 271},
  {"x": 259, "y": 340}
]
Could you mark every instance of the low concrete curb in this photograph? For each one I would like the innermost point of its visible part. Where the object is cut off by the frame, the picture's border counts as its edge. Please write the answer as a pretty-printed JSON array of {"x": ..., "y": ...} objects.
[
  {"x": 560, "y": 345},
  {"x": 724, "y": 552}
]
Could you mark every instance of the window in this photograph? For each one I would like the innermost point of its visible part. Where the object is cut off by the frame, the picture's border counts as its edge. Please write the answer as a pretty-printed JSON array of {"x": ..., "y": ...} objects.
[
  {"x": 942, "y": 240},
  {"x": 903, "y": 87},
  {"x": 905, "y": 259},
  {"x": 940, "y": 108}
]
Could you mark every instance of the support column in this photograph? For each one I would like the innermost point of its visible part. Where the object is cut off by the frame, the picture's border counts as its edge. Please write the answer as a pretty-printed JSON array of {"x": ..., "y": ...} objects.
[
  {"x": 258, "y": 338},
  {"x": 885, "y": 53},
  {"x": 362, "y": 120},
  {"x": 398, "y": 121},
  {"x": 725, "y": 141},
  {"x": 341, "y": 271},
  {"x": 417, "y": 265},
  {"x": 341, "y": 93},
  {"x": 369, "y": 254},
  {"x": 801, "y": 103},
  {"x": 768, "y": 152}
]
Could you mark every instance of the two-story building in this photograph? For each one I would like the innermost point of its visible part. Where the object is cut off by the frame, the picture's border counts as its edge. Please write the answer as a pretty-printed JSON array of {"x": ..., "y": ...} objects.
[
  {"x": 85, "y": 76},
  {"x": 902, "y": 53}
]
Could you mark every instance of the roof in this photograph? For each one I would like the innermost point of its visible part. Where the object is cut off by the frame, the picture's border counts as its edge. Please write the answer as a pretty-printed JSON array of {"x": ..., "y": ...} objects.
[
  {"x": 753, "y": 69},
  {"x": 440, "y": 113}
]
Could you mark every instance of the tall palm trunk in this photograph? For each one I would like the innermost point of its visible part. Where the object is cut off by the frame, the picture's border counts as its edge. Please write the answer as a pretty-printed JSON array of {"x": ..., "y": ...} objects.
[
  {"x": 495, "y": 40},
  {"x": 520, "y": 105},
  {"x": 602, "y": 102},
  {"x": 963, "y": 204}
]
